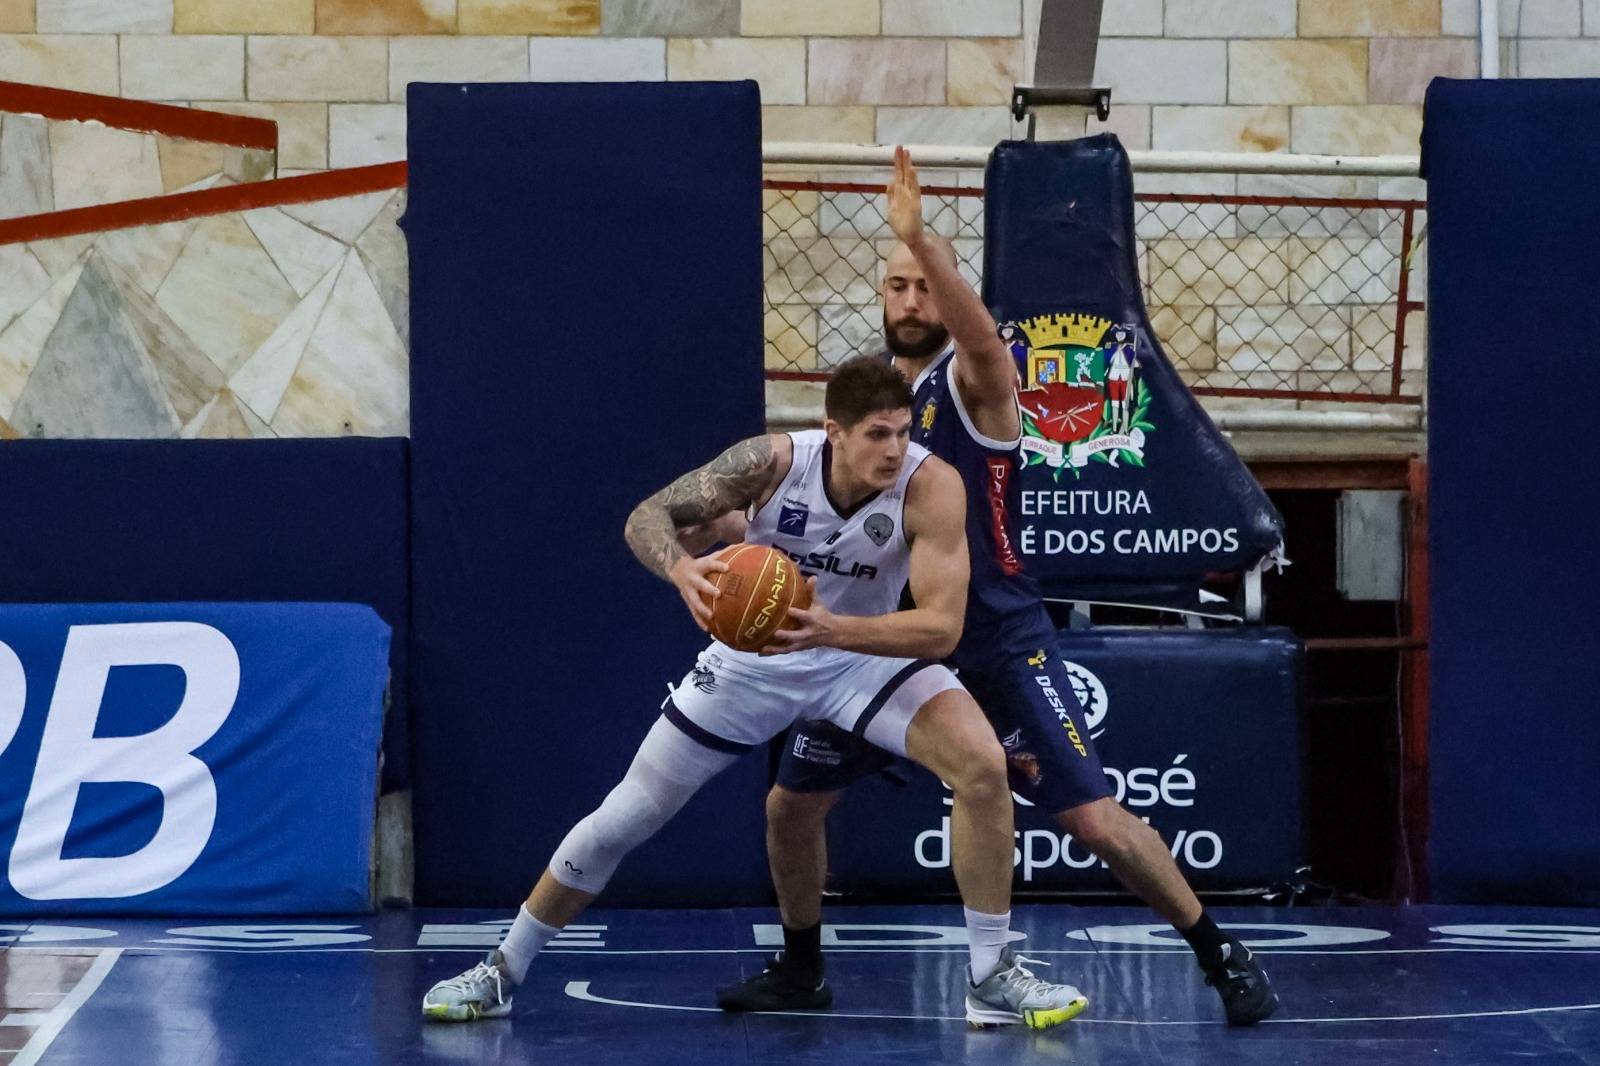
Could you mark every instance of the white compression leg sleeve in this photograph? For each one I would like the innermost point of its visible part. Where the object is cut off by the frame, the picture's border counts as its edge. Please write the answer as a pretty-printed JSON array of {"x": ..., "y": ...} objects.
[{"x": 667, "y": 771}]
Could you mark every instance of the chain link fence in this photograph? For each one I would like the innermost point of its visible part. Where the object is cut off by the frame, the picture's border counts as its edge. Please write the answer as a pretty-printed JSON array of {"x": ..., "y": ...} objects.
[{"x": 1293, "y": 298}]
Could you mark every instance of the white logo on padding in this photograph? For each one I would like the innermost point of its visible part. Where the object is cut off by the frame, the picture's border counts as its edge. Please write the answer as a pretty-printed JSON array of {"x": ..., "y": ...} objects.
[
  {"x": 1092, "y": 694},
  {"x": 13, "y": 695},
  {"x": 70, "y": 754}
]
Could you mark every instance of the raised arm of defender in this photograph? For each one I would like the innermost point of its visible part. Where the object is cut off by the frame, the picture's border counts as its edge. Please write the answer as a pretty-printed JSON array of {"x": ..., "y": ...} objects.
[
  {"x": 935, "y": 521},
  {"x": 696, "y": 505},
  {"x": 985, "y": 367}
]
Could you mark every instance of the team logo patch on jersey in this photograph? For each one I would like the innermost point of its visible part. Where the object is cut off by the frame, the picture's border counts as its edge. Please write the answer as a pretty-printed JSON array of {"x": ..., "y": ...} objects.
[
  {"x": 1085, "y": 397},
  {"x": 929, "y": 412},
  {"x": 703, "y": 679},
  {"x": 792, "y": 521},
  {"x": 879, "y": 527}
]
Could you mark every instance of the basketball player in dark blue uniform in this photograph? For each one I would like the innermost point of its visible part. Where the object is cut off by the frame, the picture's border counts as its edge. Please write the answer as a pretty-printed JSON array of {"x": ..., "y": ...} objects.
[{"x": 965, "y": 379}]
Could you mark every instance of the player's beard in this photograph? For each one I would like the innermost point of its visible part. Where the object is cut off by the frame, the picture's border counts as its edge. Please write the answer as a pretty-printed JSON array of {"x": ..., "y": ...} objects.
[{"x": 932, "y": 341}]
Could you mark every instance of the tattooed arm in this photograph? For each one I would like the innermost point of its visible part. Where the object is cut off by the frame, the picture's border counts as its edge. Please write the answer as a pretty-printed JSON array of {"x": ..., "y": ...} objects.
[
  {"x": 729, "y": 529},
  {"x": 745, "y": 474},
  {"x": 740, "y": 476}
]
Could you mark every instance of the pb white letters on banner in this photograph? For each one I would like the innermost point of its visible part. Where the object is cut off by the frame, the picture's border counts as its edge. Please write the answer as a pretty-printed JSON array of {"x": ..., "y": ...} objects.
[{"x": 70, "y": 755}]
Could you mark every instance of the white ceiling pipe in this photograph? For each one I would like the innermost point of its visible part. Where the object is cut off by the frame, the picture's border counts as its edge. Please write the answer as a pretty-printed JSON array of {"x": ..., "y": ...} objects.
[
  {"x": 821, "y": 154},
  {"x": 1377, "y": 166},
  {"x": 1489, "y": 38}
]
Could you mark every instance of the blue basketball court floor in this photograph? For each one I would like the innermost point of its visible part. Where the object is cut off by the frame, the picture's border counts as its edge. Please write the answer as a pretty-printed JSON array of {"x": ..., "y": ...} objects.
[{"x": 1359, "y": 985}]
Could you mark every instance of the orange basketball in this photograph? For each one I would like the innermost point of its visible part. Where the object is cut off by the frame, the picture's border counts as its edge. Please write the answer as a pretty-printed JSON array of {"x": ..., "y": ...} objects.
[{"x": 754, "y": 595}]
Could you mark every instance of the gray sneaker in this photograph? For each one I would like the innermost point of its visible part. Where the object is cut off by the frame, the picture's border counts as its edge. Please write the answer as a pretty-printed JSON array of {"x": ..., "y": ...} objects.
[
  {"x": 1012, "y": 994},
  {"x": 482, "y": 992}
]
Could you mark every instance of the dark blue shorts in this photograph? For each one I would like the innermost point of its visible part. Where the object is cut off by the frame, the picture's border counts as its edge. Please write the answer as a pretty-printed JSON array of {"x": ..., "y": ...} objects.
[
  {"x": 1027, "y": 697},
  {"x": 818, "y": 756}
]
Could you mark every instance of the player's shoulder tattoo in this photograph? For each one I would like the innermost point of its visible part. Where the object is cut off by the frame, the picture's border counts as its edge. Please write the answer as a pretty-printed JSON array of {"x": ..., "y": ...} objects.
[{"x": 731, "y": 481}]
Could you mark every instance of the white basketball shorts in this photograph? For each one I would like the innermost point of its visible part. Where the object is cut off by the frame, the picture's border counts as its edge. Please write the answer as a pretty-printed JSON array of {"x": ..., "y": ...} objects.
[{"x": 731, "y": 701}]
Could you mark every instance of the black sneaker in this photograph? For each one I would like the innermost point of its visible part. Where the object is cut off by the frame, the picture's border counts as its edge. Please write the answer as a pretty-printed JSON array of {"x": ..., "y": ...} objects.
[
  {"x": 781, "y": 986},
  {"x": 1246, "y": 993}
]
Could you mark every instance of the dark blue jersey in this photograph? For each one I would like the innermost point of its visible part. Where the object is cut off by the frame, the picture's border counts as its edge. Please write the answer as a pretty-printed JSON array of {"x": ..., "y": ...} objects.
[{"x": 1004, "y": 611}]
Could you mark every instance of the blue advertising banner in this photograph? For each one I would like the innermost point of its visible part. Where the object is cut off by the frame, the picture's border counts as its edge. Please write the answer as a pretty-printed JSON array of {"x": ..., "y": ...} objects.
[
  {"x": 188, "y": 758},
  {"x": 1198, "y": 732},
  {"x": 277, "y": 520}
]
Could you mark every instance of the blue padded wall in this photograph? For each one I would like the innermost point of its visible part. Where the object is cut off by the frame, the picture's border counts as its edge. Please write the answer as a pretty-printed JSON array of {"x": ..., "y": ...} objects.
[
  {"x": 1215, "y": 712},
  {"x": 586, "y": 324},
  {"x": 109, "y": 521},
  {"x": 1515, "y": 746}
]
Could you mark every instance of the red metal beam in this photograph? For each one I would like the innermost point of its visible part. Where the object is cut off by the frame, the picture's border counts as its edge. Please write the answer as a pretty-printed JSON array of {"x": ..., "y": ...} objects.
[
  {"x": 1305, "y": 394},
  {"x": 1402, "y": 303},
  {"x": 1414, "y": 709},
  {"x": 1199, "y": 390},
  {"x": 221, "y": 200},
  {"x": 184, "y": 122},
  {"x": 1338, "y": 644}
]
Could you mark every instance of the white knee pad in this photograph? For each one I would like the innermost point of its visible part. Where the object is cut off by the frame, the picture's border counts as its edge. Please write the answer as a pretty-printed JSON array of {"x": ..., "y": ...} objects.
[
  {"x": 589, "y": 855},
  {"x": 667, "y": 771}
]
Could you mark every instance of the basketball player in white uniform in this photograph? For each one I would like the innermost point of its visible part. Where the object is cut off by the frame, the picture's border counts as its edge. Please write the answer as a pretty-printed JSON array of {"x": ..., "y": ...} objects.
[{"x": 863, "y": 512}]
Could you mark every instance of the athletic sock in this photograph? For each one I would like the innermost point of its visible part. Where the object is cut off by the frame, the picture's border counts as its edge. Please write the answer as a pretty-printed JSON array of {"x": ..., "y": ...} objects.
[
  {"x": 802, "y": 948},
  {"x": 1206, "y": 940},
  {"x": 986, "y": 938},
  {"x": 527, "y": 938}
]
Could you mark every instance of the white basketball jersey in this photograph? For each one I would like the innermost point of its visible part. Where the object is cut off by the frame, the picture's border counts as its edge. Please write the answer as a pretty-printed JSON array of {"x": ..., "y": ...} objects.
[{"x": 860, "y": 558}]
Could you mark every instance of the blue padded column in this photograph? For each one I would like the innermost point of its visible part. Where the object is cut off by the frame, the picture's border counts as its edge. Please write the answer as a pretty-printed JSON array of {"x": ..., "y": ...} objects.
[
  {"x": 586, "y": 324},
  {"x": 1512, "y": 318}
]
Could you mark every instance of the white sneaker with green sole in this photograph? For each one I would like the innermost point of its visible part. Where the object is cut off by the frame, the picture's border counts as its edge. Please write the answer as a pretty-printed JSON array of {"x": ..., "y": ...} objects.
[
  {"x": 1012, "y": 995},
  {"x": 482, "y": 992}
]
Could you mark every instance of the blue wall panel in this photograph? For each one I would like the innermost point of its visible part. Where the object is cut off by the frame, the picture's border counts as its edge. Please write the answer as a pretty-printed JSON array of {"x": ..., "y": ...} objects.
[
  {"x": 1512, "y": 318},
  {"x": 95, "y": 521},
  {"x": 586, "y": 324}
]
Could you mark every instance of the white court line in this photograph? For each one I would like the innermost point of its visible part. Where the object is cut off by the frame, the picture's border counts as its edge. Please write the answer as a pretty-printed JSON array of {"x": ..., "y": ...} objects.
[
  {"x": 580, "y": 990},
  {"x": 1184, "y": 952},
  {"x": 58, "y": 1018}
]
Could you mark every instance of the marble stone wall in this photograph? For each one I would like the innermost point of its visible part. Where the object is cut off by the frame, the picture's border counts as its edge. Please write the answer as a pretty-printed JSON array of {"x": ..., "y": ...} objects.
[
  {"x": 279, "y": 321},
  {"x": 1233, "y": 75},
  {"x": 53, "y": 165},
  {"x": 1342, "y": 76}
]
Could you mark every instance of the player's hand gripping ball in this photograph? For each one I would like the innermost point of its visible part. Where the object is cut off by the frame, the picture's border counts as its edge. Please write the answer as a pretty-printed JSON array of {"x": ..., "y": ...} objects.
[{"x": 754, "y": 595}]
